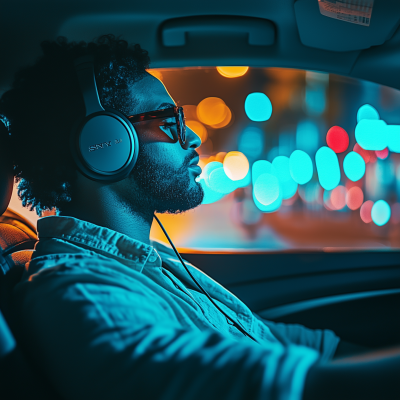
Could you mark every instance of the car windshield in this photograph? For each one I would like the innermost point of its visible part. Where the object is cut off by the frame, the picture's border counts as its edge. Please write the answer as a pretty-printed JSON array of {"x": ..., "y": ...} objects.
[
  {"x": 292, "y": 160},
  {"x": 282, "y": 169}
]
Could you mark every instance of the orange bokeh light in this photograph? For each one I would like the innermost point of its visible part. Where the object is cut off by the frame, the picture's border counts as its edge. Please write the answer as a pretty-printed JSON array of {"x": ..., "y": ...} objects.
[
  {"x": 199, "y": 129},
  {"x": 212, "y": 111},
  {"x": 354, "y": 198},
  {"x": 236, "y": 165},
  {"x": 338, "y": 197},
  {"x": 226, "y": 121},
  {"x": 232, "y": 72}
]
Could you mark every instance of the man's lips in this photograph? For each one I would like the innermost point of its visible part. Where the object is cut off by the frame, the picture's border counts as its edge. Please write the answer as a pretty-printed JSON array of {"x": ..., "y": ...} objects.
[{"x": 195, "y": 161}]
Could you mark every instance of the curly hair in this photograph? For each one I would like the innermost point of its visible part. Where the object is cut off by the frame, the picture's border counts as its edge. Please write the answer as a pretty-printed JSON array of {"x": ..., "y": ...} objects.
[{"x": 45, "y": 101}]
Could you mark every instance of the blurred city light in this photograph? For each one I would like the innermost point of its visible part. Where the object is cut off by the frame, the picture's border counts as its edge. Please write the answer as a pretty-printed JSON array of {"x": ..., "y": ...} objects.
[
  {"x": 210, "y": 196},
  {"x": 198, "y": 128},
  {"x": 281, "y": 165},
  {"x": 365, "y": 211},
  {"x": 337, "y": 139},
  {"x": 338, "y": 197},
  {"x": 354, "y": 166},
  {"x": 328, "y": 168},
  {"x": 307, "y": 136},
  {"x": 367, "y": 112},
  {"x": 266, "y": 189},
  {"x": 382, "y": 154},
  {"x": 354, "y": 198},
  {"x": 206, "y": 172},
  {"x": 225, "y": 122},
  {"x": 236, "y": 165},
  {"x": 371, "y": 134},
  {"x": 232, "y": 72},
  {"x": 220, "y": 182},
  {"x": 212, "y": 111},
  {"x": 251, "y": 142},
  {"x": 393, "y": 138},
  {"x": 315, "y": 100},
  {"x": 365, "y": 154},
  {"x": 301, "y": 167},
  {"x": 258, "y": 107},
  {"x": 380, "y": 212}
]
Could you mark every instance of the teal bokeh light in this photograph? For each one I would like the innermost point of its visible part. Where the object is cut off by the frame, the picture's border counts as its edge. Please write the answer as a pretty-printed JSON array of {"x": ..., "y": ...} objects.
[
  {"x": 367, "y": 112},
  {"x": 266, "y": 189},
  {"x": 380, "y": 212},
  {"x": 251, "y": 142},
  {"x": 219, "y": 182},
  {"x": 301, "y": 167},
  {"x": 208, "y": 169},
  {"x": 354, "y": 166},
  {"x": 371, "y": 134},
  {"x": 307, "y": 136},
  {"x": 210, "y": 196},
  {"x": 327, "y": 167},
  {"x": 281, "y": 164},
  {"x": 258, "y": 107}
]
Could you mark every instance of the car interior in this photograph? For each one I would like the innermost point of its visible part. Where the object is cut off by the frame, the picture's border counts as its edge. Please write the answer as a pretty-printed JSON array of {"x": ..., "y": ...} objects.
[{"x": 315, "y": 259}]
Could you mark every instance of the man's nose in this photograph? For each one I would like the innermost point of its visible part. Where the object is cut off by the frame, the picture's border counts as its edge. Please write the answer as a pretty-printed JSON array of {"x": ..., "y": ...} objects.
[{"x": 192, "y": 140}]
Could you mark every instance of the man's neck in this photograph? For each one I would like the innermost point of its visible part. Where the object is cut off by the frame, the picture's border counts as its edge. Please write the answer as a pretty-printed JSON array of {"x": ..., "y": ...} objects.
[{"x": 102, "y": 208}]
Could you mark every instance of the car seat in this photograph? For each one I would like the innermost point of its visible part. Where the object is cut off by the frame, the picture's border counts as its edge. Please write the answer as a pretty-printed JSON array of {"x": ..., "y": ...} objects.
[{"x": 18, "y": 379}]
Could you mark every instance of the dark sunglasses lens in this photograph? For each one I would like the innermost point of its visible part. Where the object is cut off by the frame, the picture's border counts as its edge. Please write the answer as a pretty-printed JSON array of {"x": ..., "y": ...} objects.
[{"x": 182, "y": 126}]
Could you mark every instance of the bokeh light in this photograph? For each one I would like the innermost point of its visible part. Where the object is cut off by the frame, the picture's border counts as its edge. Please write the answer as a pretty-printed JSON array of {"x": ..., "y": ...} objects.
[
  {"x": 371, "y": 134},
  {"x": 210, "y": 196},
  {"x": 282, "y": 169},
  {"x": 393, "y": 138},
  {"x": 266, "y": 189},
  {"x": 226, "y": 121},
  {"x": 354, "y": 166},
  {"x": 212, "y": 111},
  {"x": 327, "y": 167},
  {"x": 367, "y": 112},
  {"x": 258, "y": 107},
  {"x": 380, "y": 212},
  {"x": 220, "y": 182},
  {"x": 365, "y": 211},
  {"x": 338, "y": 197},
  {"x": 210, "y": 167},
  {"x": 198, "y": 128},
  {"x": 251, "y": 142},
  {"x": 382, "y": 154},
  {"x": 365, "y": 154},
  {"x": 307, "y": 136},
  {"x": 354, "y": 198},
  {"x": 232, "y": 72},
  {"x": 337, "y": 139},
  {"x": 236, "y": 165},
  {"x": 301, "y": 167}
]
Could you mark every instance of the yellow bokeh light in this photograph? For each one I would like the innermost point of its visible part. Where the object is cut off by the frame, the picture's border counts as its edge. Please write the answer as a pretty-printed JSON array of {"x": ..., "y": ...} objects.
[
  {"x": 212, "y": 111},
  {"x": 198, "y": 128},
  {"x": 226, "y": 120},
  {"x": 220, "y": 156},
  {"x": 232, "y": 72},
  {"x": 236, "y": 165},
  {"x": 156, "y": 73}
]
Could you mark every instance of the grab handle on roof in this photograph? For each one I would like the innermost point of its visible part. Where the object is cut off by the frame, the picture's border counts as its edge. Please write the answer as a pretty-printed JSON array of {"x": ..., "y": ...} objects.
[{"x": 261, "y": 32}]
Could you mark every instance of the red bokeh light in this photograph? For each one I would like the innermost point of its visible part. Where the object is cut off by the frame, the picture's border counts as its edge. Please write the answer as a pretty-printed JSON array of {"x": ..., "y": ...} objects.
[
  {"x": 382, "y": 154},
  {"x": 337, "y": 139},
  {"x": 338, "y": 197},
  {"x": 365, "y": 154},
  {"x": 354, "y": 198},
  {"x": 365, "y": 211}
]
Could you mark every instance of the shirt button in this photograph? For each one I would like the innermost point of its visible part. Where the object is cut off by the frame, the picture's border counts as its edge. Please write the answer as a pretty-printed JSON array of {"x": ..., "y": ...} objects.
[{"x": 152, "y": 257}]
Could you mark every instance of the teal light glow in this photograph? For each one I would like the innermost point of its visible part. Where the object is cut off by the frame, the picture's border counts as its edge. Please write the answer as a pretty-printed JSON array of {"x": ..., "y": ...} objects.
[
  {"x": 371, "y": 134},
  {"x": 393, "y": 138},
  {"x": 259, "y": 168},
  {"x": 301, "y": 167},
  {"x": 380, "y": 212},
  {"x": 307, "y": 136},
  {"x": 282, "y": 171},
  {"x": 209, "y": 195},
  {"x": 219, "y": 182},
  {"x": 354, "y": 166},
  {"x": 251, "y": 142},
  {"x": 210, "y": 167},
  {"x": 245, "y": 181},
  {"x": 315, "y": 99},
  {"x": 266, "y": 189},
  {"x": 258, "y": 107},
  {"x": 327, "y": 168},
  {"x": 367, "y": 112}
]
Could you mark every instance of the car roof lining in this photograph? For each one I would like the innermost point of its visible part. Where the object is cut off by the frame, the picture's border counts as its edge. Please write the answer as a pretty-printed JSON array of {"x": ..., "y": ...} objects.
[{"x": 143, "y": 23}]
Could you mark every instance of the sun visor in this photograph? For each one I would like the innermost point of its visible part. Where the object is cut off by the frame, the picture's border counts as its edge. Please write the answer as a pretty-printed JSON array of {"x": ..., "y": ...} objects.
[{"x": 346, "y": 25}]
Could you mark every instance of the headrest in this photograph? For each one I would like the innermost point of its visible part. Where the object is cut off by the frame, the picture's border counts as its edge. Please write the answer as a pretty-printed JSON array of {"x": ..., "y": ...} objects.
[{"x": 6, "y": 169}]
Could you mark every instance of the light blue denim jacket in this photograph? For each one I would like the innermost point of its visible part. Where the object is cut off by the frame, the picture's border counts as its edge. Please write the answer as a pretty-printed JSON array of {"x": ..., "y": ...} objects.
[{"x": 108, "y": 317}]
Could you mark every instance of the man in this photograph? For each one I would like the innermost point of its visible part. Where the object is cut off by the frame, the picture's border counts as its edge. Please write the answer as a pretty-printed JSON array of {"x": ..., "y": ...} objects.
[{"x": 104, "y": 312}]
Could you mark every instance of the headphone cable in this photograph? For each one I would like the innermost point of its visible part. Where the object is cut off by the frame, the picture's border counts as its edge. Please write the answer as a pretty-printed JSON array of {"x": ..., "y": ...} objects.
[{"x": 228, "y": 318}]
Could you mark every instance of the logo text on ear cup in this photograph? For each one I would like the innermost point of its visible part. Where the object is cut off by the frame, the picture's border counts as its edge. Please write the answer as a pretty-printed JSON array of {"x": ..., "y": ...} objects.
[{"x": 100, "y": 146}]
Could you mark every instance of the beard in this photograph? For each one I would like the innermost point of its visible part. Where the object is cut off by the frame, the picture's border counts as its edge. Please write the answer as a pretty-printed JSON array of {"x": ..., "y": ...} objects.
[{"x": 162, "y": 188}]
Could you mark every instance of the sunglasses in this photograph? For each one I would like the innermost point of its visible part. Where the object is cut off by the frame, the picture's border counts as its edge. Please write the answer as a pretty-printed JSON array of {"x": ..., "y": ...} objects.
[{"x": 172, "y": 112}]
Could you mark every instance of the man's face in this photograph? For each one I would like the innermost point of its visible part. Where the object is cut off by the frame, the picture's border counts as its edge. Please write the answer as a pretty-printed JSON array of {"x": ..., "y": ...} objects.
[{"x": 163, "y": 179}]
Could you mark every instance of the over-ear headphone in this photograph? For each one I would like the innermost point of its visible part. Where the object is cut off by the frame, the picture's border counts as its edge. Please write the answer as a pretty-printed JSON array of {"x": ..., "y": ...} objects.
[{"x": 104, "y": 143}]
